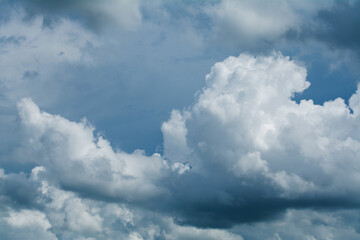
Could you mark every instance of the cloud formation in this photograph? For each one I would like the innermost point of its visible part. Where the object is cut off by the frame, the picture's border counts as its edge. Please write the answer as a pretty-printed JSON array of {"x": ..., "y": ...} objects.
[
  {"x": 244, "y": 152},
  {"x": 70, "y": 153},
  {"x": 257, "y": 25},
  {"x": 334, "y": 26},
  {"x": 31, "y": 53},
  {"x": 258, "y": 151},
  {"x": 35, "y": 61},
  {"x": 246, "y": 159},
  {"x": 123, "y": 14}
]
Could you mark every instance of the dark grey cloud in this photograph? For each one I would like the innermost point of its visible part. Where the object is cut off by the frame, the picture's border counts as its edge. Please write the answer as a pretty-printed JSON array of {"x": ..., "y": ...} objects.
[
  {"x": 337, "y": 26},
  {"x": 16, "y": 190},
  {"x": 222, "y": 201},
  {"x": 97, "y": 15}
]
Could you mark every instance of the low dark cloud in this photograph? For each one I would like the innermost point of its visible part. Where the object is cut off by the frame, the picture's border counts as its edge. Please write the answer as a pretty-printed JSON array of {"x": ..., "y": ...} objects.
[
  {"x": 336, "y": 26},
  {"x": 223, "y": 201}
]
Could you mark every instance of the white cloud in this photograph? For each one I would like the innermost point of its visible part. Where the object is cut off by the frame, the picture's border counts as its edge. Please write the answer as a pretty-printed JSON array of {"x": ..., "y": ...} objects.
[
  {"x": 33, "y": 62},
  {"x": 175, "y": 137},
  {"x": 251, "y": 162},
  {"x": 354, "y": 102},
  {"x": 28, "y": 218},
  {"x": 135, "y": 236},
  {"x": 80, "y": 219},
  {"x": 248, "y": 23},
  {"x": 243, "y": 134},
  {"x": 29, "y": 224},
  {"x": 188, "y": 233},
  {"x": 245, "y": 121},
  {"x": 243, "y": 152},
  {"x": 254, "y": 20},
  {"x": 77, "y": 159},
  {"x": 180, "y": 167}
]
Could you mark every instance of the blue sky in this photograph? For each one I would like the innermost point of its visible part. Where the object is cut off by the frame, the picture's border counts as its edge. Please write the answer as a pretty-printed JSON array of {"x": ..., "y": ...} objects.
[{"x": 179, "y": 119}]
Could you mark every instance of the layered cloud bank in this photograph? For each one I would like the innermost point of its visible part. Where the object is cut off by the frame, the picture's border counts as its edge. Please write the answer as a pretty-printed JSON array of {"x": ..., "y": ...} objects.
[{"x": 244, "y": 156}]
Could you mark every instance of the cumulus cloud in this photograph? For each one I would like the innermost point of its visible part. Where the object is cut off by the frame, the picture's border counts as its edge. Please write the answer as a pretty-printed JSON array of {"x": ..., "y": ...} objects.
[
  {"x": 243, "y": 153},
  {"x": 29, "y": 224},
  {"x": 33, "y": 62},
  {"x": 26, "y": 218},
  {"x": 259, "y": 149},
  {"x": 62, "y": 214},
  {"x": 243, "y": 161},
  {"x": 78, "y": 160}
]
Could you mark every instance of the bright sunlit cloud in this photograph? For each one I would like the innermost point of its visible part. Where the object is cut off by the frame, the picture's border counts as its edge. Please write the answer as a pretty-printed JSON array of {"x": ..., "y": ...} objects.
[{"x": 179, "y": 120}]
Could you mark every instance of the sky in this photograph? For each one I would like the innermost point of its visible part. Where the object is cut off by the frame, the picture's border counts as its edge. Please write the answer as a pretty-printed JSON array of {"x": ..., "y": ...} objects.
[{"x": 218, "y": 119}]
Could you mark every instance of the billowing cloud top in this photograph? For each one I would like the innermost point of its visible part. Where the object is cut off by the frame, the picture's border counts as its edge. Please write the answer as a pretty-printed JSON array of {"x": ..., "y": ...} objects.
[
  {"x": 262, "y": 151},
  {"x": 243, "y": 152},
  {"x": 258, "y": 153}
]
